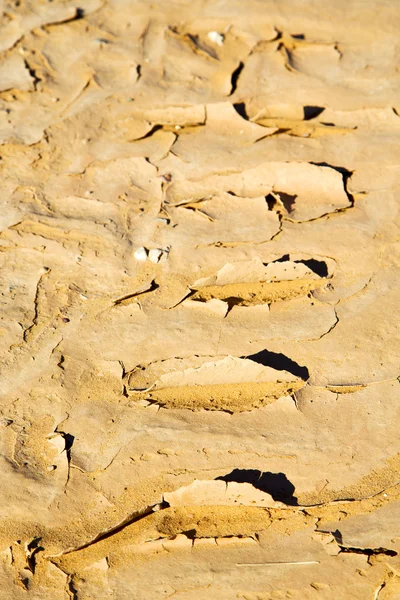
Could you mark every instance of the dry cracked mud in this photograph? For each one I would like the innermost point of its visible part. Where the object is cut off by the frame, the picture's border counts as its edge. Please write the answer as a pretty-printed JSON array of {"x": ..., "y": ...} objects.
[{"x": 199, "y": 339}]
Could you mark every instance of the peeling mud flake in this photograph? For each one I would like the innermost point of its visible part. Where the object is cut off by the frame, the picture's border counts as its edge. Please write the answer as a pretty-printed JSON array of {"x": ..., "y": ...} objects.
[
  {"x": 220, "y": 493},
  {"x": 249, "y": 283},
  {"x": 230, "y": 384},
  {"x": 259, "y": 292}
]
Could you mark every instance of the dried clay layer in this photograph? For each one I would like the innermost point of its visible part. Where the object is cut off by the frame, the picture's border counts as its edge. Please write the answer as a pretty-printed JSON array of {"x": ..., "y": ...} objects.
[
  {"x": 184, "y": 185},
  {"x": 228, "y": 397},
  {"x": 260, "y": 292},
  {"x": 195, "y": 522},
  {"x": 203, "y": 521},
  {"x": 230, "y": 384}
]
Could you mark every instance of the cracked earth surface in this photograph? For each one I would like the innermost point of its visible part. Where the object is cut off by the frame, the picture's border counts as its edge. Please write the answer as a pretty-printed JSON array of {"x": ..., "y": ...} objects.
[{"x": 200, "y": 252}]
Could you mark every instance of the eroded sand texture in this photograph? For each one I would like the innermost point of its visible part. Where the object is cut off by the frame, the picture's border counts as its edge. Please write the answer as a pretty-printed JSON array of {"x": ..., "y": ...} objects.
[{"x": 199, "y": 338}]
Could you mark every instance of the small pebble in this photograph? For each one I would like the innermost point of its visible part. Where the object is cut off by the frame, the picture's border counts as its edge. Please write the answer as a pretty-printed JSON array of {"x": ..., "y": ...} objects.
[
  {"x": 155, "y": 254},
  {"x": 140, "y": 254},
  {"x": 217, "y": 38}
]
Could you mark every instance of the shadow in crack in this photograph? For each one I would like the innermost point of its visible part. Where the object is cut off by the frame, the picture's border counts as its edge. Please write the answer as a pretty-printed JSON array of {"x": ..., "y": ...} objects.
[
  {"x": 345, "y": 173},
  {"x": 240, "y": 108},
  {"x": 310, "y": 112},
  {"x": 280, "y": 362},
  {"x": 286, "y": 200},
  {"x": 235, "y": 77},
  {"x": 275, "y": 484},
  {"x": 338, "y": 536},
  {"x": 319, "y": 267}
]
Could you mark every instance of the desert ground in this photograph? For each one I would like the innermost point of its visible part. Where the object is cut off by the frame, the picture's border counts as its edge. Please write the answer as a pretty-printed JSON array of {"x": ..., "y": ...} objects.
[{"x": 200, "y": 289}]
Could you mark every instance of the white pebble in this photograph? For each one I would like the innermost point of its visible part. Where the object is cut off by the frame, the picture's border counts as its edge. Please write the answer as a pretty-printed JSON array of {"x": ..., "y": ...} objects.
[
  {"x": 140, "y": 254},
  {"x": 217, "y": 38},
  {"x": 155, "y": 254}
]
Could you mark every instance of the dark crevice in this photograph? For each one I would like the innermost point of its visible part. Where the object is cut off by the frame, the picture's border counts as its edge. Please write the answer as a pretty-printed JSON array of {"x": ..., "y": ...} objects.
[
  {"x": 235, "y": 77},
  {"x": 367, "y": 551},
  {"x": 355, "y": 550},
  {"x": 32, "y": 73},
  {"x": 342, "y": 170},
  {"x": 283, "y": 258},
  {"x": 153, "y": 286},
  {"x": 271, "y": 201},
  {"x": 199, "y": 45},
  {"x": 129, "y": 521},
  {"x": 149, "y": 133},
  {"x": 280, "y": 229},
  {"x": 280, "y": 362},
  {"x": 337, "y": 535},
  {"x": 275, "y": 484},
  {"x": 281, "y": 200},
  {"x": 310, "y": 112},
  {"x": 231, "y": 302},
  {"x": 79, "y": 14},
  {"x": 288, "y": 200},
  {"x": 345, "y": 173},
  {"x": 33, "y": 548},
  {"x": 191, "y": 534},
  {"x": 319, "y": 267},
  {"x": 25, "y": 582},
  {"x": 240, "y": 108},
  {"x": 72, "y": 591},
  {"x": 69, "y": 440},
  {"x": 278, "y": 35}
]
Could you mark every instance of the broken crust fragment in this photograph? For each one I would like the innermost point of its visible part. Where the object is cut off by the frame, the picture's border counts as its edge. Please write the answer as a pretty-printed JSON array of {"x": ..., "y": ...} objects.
[
  {"x": 230, "y": 384},
  {"x": 220, "y": 493},
  {"x": 251, "y": 282},
  {"x": 317, "y": 190},
  {"x": 207, "y": 508},
  {"x": 210, "y": 521},
  {"x": 258, "y": 292}
]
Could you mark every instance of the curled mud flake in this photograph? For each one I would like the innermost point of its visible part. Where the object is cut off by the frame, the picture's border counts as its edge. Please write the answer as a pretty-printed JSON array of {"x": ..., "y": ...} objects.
[
  {"x": 220, "y": 493},
  {"x": 229, "y": 384},
  {"x": 250, "y": 283}
]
